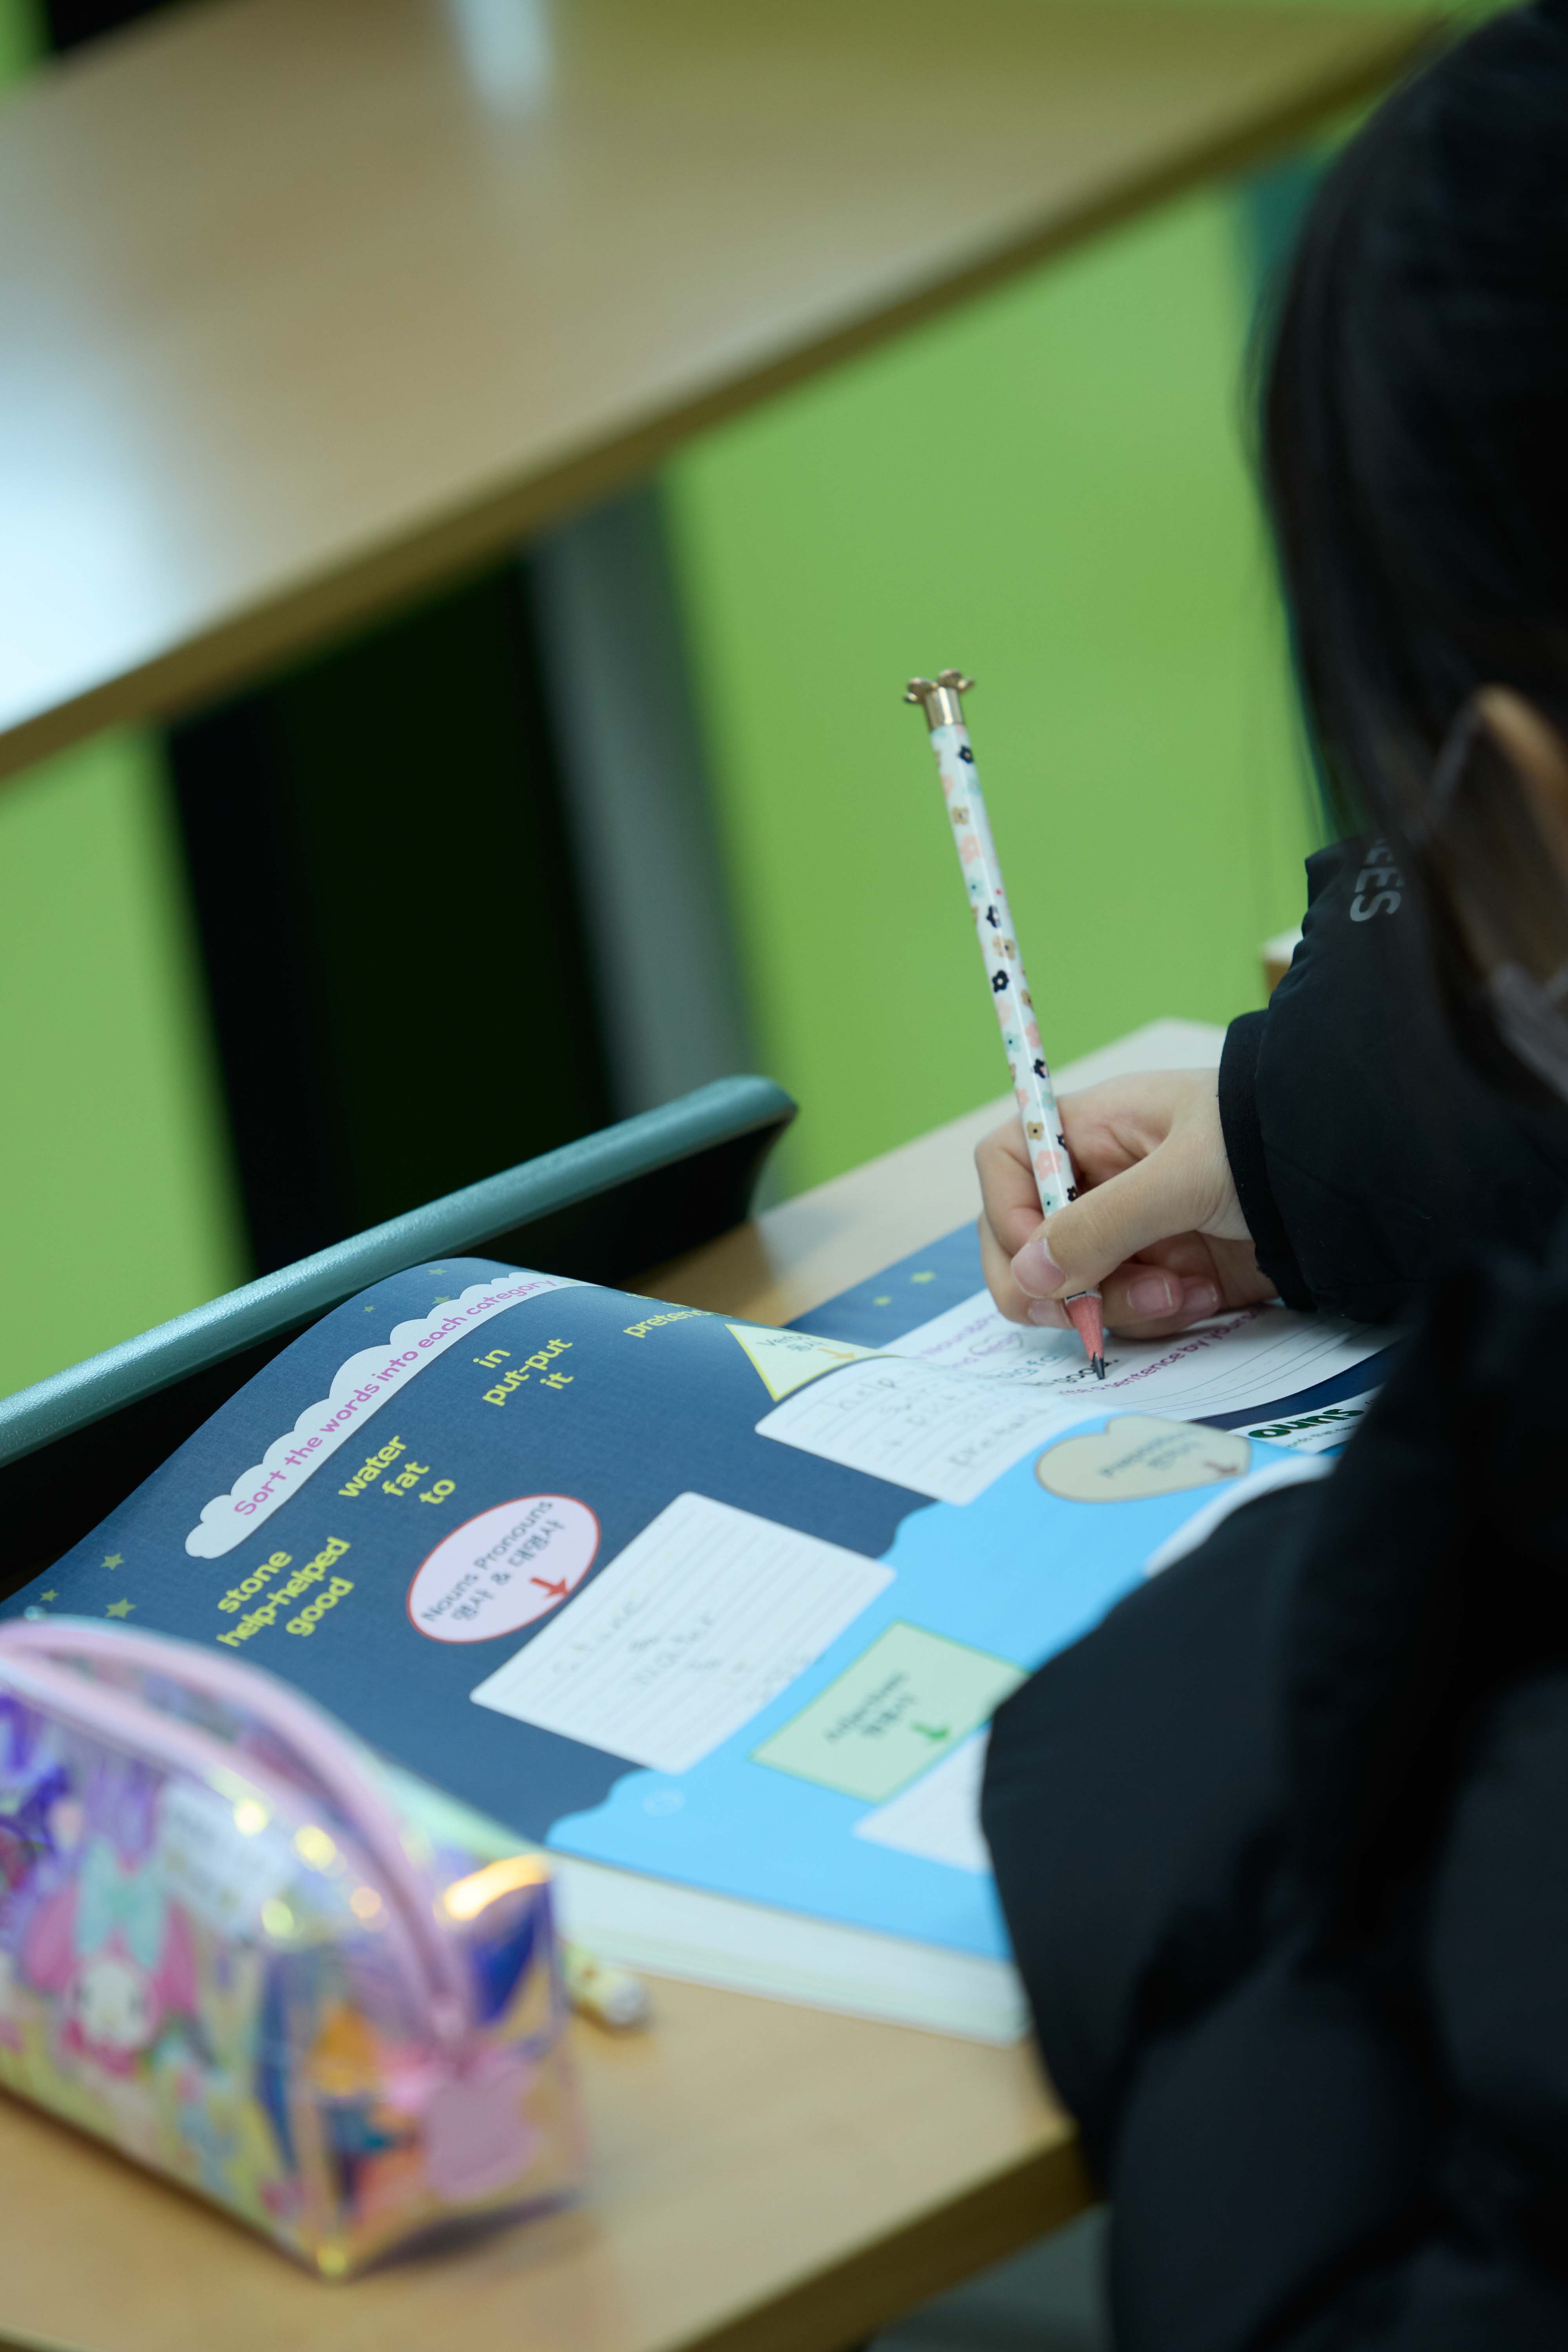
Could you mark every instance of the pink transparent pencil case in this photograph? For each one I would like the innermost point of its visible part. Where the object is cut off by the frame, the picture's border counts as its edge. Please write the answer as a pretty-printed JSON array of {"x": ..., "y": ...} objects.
[{"x": 258, "y": 1959}]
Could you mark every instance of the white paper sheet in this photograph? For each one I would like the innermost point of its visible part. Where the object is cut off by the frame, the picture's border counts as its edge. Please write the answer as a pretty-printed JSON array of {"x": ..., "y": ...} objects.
[
  {"x": 1247, "y": 1358},
  {"x": 939, "y": 1817},
  {"x": 920, "y": 1428},
  {"x": 701, "y": 1619}
]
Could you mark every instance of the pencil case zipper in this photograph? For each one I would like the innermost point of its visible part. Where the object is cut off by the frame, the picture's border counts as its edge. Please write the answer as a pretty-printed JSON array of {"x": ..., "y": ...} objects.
[{"x": 35, "y": 1664}]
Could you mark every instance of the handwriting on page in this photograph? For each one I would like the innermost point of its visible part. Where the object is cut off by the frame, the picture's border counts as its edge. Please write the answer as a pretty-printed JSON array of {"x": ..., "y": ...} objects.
[
  {"x": 1239, "y": 1361},
  {"x": 701, "y": 1619},
  {"x": 919, "y": 1428}
]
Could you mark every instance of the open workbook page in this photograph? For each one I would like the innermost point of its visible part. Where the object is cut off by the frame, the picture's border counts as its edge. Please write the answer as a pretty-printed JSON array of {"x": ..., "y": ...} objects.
[{"x": 718, "y": 1613}]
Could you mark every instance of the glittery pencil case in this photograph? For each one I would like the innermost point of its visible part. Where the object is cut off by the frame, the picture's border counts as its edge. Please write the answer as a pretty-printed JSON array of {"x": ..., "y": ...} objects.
[{"x": 258, "y": 1959}]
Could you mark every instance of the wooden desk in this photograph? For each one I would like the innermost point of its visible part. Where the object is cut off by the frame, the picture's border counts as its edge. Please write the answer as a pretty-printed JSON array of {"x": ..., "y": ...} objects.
[
  {"x": 307, "y": 307},
  {"x": 765, "y": 2179}
]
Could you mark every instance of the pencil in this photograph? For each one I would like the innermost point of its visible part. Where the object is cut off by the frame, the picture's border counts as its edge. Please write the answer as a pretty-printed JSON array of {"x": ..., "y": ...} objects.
[{"x": 940, "y": 699}]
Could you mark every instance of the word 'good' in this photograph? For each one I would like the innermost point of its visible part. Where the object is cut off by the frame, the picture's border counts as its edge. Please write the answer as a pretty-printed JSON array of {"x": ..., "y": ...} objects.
[{"x": 282, "y": 1596}]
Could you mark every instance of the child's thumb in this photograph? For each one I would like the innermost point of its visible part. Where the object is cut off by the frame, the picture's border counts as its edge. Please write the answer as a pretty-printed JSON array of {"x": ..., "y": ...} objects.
[{"x": 1081, "y": 1243}]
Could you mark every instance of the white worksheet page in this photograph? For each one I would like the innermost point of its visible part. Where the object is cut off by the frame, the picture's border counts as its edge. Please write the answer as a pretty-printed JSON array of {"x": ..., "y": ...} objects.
[
  {"x": 1250, "y": 1357},
  {"x": 702, "y": 1620},
  {"x": 920, "y": 1428}
]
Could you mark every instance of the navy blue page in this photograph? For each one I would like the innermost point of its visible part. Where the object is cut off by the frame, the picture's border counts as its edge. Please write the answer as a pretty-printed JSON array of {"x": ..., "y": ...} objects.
[{"x": 641, "y": 1421}]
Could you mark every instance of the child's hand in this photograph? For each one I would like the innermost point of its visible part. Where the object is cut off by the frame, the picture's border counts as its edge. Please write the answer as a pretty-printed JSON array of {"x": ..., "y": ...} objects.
[{"x": 1157, "y": 1224}]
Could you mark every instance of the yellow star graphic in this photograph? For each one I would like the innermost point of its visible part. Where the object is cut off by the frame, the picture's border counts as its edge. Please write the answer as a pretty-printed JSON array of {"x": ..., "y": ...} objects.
[
  {"x": 119, "y": 1609},
  {"x": 48, "y": 1596},
  {"x": 114, "y": 1560}
]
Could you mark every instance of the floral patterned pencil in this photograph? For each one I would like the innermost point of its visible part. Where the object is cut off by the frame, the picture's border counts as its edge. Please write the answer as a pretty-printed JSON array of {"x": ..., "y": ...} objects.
[{"x": 940, "y": 699}]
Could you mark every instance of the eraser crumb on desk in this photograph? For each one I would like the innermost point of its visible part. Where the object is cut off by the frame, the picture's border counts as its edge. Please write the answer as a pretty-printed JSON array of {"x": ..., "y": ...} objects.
[{"x": 611, "y": 1997}]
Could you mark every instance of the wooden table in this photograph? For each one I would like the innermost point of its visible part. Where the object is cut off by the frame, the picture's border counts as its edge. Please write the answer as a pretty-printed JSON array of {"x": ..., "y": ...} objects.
[
  {"x": 765, "y": 2179},
  {"x": 305, "y": 308}
]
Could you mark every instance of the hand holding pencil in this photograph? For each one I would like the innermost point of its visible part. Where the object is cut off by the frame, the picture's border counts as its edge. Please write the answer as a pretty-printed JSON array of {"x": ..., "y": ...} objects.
[
  {"x": 1157, "y": 1225},
  {"x": 940, "y": 699}
]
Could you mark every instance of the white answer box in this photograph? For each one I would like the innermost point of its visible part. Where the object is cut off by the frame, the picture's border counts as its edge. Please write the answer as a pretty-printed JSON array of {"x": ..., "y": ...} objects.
[{"x": 705, "y": 1617}]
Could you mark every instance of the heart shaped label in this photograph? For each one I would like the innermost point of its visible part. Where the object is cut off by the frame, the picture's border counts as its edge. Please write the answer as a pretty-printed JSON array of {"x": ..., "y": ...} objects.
[{"x": 1136, "y": 1455}]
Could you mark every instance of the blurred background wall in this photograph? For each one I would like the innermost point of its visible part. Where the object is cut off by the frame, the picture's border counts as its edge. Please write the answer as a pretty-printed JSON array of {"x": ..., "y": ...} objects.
[
  {"x": 1050, "y": 489},
  {"x": 1049, "y": 486}
]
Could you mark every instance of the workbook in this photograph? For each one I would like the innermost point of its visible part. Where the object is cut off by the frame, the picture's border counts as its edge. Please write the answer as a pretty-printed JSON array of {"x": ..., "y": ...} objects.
[{"x": 717, "y": 1613}]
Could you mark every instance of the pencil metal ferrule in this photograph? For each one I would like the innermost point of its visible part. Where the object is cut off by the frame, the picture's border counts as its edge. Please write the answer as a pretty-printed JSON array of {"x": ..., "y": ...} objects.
[{"x": 939, "y": 697}]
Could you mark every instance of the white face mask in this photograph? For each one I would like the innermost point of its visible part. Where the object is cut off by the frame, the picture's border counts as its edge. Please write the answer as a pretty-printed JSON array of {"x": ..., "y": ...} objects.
[
  {"x": 1529, "y": 1017},
  {"x": 1529, "y": 1012}
]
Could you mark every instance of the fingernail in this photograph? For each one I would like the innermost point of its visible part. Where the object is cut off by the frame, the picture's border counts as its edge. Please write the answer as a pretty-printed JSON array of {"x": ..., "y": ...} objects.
[
  {"x": 1153, "y": 1293},
  {"x": 1046, "y": 1312},
  {"x": 1035, "y": 1271},
  {"x": 1199, "y": 1298}
]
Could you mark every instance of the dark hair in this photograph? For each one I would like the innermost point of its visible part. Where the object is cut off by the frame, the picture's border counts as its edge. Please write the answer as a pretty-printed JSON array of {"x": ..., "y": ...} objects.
[{"x": 1415, "y": 464}]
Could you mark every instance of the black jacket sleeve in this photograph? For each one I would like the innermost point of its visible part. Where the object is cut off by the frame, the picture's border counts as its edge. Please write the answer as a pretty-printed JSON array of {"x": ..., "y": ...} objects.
[
  {"x": 1363, "y": 1147},
  {"x": 1279, "y": 1846}
]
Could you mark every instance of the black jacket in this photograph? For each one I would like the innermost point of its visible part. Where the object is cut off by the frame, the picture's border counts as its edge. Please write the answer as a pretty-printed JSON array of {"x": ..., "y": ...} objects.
[
  {"x": 1365, "y": 1151},
  {"x": 1283, "y": 1845}
]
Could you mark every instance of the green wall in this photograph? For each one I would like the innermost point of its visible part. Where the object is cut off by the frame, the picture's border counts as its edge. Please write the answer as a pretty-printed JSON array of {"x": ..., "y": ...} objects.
[
  {"x": 114, "y": 1197},
  {"x": 1048, "y": 489},
  {"x": 19, "y": 37}
]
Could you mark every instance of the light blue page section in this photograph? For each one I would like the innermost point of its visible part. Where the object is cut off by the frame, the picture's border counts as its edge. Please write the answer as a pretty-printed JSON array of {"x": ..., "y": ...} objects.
[{"x": 1012, "y": 1577}]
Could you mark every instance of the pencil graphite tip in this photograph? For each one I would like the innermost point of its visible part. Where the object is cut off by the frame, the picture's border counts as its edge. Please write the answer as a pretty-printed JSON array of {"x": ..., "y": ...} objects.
[{"x": 1087, "y": 1317}]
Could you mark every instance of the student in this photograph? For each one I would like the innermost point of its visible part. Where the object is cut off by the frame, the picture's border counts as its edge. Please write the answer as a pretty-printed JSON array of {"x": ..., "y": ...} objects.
[{"x": 1283, "y": 1845}]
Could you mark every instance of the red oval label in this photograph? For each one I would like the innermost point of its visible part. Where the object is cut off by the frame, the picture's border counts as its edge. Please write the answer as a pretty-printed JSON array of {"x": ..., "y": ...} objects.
[{"x": 503, "y": 1569}]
